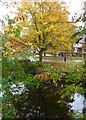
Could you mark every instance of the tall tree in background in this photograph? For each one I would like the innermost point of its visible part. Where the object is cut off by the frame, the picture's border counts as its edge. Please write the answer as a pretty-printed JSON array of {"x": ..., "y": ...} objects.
[{"x": 43, "y": 26}]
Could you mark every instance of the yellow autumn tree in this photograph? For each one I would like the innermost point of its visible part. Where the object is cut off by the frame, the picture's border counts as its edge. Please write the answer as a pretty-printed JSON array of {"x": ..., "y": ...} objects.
[{"x": 44, "y": 26}]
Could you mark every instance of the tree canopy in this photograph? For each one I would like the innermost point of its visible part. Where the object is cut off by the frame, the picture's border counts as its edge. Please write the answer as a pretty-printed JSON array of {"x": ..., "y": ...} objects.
[{"x": 43, "y": 25}]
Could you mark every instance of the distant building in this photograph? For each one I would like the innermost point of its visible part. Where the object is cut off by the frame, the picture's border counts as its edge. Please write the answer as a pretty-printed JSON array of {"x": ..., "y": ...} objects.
[{"x": 78, "y": 48}]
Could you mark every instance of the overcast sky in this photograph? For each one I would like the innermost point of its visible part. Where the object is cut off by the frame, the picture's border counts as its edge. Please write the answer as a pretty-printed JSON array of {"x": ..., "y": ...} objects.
[{"x": 75, "y": 6}]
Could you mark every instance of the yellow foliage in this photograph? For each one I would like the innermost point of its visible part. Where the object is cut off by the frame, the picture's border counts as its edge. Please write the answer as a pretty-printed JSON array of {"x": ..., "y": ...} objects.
[
  {"x": 43, "y": 26},
  {"x": 45, "y": 77}
]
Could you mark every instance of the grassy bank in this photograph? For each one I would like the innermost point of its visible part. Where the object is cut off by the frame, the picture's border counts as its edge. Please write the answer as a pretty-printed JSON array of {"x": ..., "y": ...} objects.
[{"x": 61, "y": 58}]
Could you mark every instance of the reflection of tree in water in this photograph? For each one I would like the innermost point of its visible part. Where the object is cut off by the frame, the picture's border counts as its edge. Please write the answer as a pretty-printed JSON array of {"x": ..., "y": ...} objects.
[{"x": 42, "y": 103}]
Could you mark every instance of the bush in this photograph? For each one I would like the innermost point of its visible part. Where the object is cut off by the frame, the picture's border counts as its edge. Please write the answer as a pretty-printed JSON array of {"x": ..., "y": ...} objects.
[
  {"x": 26, "y": 72},
  {"x": 29, "y": 67}
]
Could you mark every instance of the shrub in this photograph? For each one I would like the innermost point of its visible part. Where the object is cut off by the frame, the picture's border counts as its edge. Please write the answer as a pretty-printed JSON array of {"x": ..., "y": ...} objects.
[{"x": 29, "y": 67}]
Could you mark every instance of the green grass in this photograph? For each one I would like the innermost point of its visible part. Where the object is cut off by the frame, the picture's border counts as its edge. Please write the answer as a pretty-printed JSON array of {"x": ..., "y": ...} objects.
[{"x": 61, "y": 58}]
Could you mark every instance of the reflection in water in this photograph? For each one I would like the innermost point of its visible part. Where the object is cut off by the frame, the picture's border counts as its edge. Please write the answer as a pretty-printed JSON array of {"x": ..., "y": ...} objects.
[
  {"x": 79, "y": 103},
  {"x": 42, "y": 103}
]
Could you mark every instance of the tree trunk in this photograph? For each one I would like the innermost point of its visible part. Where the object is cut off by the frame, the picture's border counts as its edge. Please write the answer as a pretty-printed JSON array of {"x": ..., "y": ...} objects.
[
  {"x": 40, "y": 55},
  {"x": 44, "y": 54},
  {"x": 65, "y": 57},
  {"x": 54, "y": 55},
  {"x": 62, "y": 54}
]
